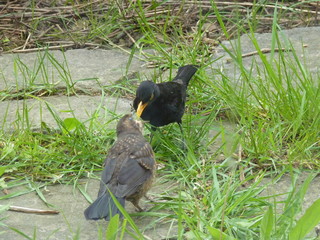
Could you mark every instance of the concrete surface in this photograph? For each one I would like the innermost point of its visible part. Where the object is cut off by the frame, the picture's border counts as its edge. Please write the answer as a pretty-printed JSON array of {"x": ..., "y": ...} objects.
[
  {"x": 304, "y": 41},
  {"x": 69, "y": 201},
  {"x": 103, "y": 67},
  {"x": 82, "y": 107},
  {"x": 285, "y": 185}
]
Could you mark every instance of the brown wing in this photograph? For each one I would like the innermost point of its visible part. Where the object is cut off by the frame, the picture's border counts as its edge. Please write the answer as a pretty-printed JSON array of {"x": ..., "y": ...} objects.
[
  {"x": 137, "y": 168},
  {"x": 113, "y": 162},
  {"x": 129, "y": 164}
]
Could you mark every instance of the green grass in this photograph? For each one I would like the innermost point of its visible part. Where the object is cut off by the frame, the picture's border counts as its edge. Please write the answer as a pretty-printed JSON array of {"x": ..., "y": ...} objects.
[
  {"x": 221, "y": 177},
  {"x": 278, "y": 111}
]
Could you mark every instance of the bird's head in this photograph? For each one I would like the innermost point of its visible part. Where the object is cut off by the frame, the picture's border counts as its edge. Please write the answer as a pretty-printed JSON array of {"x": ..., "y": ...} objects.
[
  {"x": 146, "y": 93},
  {"x": 128, "y": 124}
]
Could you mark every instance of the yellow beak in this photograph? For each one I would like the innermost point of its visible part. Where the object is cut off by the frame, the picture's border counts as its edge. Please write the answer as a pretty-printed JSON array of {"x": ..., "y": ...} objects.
[{"x": 140, "y": 108}]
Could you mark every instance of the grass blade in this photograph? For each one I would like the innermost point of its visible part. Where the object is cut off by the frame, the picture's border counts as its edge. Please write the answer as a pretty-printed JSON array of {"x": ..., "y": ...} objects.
[
  {"x": 267, "y": 224},
  {"x": 112, "y": 229},
  {"x": 307, "y": 222},
  {"x": 217, "y": 234}
]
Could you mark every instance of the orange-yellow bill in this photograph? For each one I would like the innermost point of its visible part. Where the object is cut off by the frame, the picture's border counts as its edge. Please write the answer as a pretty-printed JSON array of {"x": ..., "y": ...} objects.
[{"x": 140, "y": 108}]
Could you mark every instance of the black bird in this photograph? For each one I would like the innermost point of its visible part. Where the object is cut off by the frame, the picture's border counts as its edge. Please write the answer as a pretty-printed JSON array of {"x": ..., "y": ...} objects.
[
  {"x": 128, "y": 171},
  {"x": 164, "y": 103}
]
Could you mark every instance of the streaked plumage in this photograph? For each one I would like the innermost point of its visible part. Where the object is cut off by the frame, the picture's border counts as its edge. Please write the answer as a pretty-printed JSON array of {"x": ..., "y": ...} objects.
[{"x": 128, "y": 172}]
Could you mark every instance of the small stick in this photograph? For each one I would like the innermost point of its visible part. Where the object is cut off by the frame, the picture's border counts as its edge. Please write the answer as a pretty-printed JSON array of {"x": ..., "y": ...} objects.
[
  {"x": 263, "y": 50},
  {"x": 26, "y": 42},
  {"x": 242, "y": 176},
  {"x": 43, "y": 48},
  {"x": 31, "y": 210}
]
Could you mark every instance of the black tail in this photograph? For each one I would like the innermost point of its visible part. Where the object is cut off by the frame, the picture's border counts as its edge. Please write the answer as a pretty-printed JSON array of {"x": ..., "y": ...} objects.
[
  {"x": 103, "y": 207},
  {"x": 185, "y": 73}
]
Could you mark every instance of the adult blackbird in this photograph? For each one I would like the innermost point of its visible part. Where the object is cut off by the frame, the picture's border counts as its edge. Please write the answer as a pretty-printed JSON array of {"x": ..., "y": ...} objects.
[
  {"x": 128, "y": 171},
  {"x": 164, "y": 103}
]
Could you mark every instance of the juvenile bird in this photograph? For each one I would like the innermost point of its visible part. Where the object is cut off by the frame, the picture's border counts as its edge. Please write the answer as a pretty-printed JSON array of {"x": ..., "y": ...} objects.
[
  {"x": 164, "y": 103},
  {"x": 128, "y": 171}
]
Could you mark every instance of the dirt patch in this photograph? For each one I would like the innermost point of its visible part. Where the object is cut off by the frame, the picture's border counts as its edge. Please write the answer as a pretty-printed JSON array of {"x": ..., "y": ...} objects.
[{"x": 29, "y": 25}]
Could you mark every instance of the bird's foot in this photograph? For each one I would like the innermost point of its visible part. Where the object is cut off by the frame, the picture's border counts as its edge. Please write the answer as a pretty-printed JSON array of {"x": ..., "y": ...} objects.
[
  {"x": 138, "y": 208},
  {"x": 151, "y": 199}
]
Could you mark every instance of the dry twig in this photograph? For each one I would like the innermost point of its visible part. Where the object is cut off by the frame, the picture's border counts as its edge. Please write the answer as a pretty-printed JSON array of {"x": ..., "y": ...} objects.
[{"x": 31, "y": 210}]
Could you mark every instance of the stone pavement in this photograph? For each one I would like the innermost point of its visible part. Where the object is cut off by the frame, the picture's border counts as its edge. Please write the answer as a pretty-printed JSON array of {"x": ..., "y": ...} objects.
[
  {"x": 90, "y": 70},
  {"x": 87, "y": 70},
  {"x": 304, "y": 42},
  {"x": 70, "y": 202}
]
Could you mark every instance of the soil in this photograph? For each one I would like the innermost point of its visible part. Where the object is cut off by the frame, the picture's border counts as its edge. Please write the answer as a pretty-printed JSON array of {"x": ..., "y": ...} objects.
[{"x": 29, "y": 25}]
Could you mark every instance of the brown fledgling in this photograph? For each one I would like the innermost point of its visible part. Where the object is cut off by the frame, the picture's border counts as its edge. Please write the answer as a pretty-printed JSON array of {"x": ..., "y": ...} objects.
[{"x": 128, "y": 171}]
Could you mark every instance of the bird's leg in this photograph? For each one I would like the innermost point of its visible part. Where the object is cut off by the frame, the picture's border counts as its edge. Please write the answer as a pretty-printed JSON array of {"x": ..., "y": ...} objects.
[
  {"x": 136, "y": 204},
  {"x": 151, "y": 199},
  {"x": 138, "y": 208},
  {"x": 184, "y": 146},
  {"x": 152, "y": 130}
]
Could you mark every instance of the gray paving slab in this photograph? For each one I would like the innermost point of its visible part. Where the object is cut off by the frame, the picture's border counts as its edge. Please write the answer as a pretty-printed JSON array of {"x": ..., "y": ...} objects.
[
  {"x": 304, "y": 41},
  {"x": 281, "y": 189},
  {"x": 89, "y": 69},
  {"x": 70, "y": 202},
  {"x": 29, "y": 113}
]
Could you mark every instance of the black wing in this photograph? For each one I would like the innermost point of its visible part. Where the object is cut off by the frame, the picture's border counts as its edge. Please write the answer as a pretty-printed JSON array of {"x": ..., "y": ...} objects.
[{"x": 173, "y": 97}]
